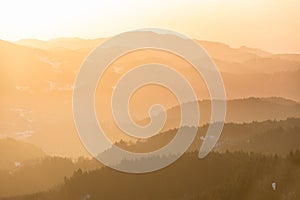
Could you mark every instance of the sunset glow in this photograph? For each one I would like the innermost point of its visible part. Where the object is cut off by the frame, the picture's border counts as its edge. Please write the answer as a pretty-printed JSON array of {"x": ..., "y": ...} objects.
[{"x": 237, "y": 23}]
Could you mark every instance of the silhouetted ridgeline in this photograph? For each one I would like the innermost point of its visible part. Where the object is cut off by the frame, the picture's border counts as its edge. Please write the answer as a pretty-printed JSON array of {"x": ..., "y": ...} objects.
[
  {"x": 267, "y": 137},
  {"x": 237, "y": 111},
  {"x": 219, "y": 176},
  {"x": 235, "y": 174}
]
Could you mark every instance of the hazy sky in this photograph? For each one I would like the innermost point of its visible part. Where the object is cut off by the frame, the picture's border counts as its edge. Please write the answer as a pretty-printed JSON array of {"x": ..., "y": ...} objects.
[{"x": 272, "y": 25}]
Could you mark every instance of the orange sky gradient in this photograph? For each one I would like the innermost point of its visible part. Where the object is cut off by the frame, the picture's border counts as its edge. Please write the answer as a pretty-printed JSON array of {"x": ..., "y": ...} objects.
[{"x": 266, "y": 24}]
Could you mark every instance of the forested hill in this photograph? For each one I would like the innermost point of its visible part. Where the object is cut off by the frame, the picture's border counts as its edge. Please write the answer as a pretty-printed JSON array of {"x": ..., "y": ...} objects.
[
  {"x": 267, "y": 137},
  {"x": 237, "y": 176}
]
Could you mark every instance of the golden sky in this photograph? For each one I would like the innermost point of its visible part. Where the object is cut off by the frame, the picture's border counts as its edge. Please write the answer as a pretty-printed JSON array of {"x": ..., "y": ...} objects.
[{"x": 273, "y": 25}]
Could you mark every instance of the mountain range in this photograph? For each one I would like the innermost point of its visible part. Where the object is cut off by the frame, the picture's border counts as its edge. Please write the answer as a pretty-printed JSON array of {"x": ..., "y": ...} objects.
[{"x": 37, "y": 80}]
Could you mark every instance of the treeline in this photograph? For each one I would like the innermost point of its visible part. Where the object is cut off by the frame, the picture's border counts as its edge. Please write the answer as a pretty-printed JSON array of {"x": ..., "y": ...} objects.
[
  {"x": 273, "y": 144},
  {"x": 219, "y": 176},
  {"x": 267, "y": 137},
  {"x": 41, "y": 174}
]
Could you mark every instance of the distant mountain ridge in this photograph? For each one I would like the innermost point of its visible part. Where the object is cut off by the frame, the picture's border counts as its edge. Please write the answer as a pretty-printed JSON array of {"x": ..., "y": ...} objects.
[
  {"x": 37, "y": 84},
  {"x": 238, "y": 111},
  {"x": 231, "y": 60},
  {"x": 66, "y": 43},
  {"x": 13, "y": 152}
]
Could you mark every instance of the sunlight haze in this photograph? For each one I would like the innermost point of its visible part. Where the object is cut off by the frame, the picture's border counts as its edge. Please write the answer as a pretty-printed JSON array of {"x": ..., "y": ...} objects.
[{"x": 265, "y": 24}]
